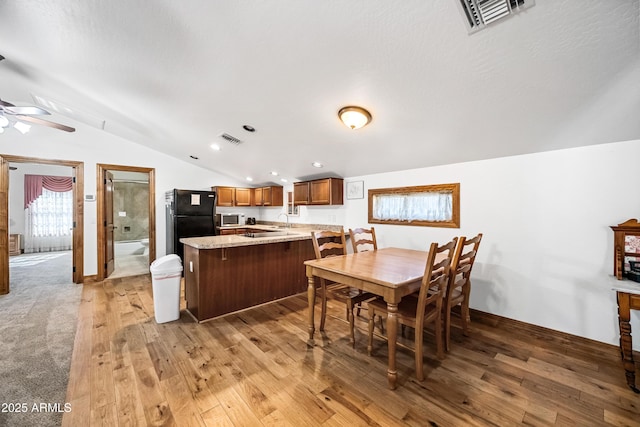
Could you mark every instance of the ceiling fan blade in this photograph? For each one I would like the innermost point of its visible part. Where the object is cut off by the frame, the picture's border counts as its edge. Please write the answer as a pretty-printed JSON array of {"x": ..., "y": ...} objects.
[
  {"x": 39, "y": 121},
  {"x": 26, "y": 111},
  {"x": 6, "y": 104}
]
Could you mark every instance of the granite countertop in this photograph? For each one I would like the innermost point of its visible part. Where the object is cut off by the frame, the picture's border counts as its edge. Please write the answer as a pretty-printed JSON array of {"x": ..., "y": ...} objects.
[{"x": 277, "y": 233}]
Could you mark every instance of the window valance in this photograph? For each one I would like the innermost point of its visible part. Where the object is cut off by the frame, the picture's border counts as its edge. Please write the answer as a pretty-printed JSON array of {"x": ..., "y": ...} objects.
[{"x": 33, "y": 185}]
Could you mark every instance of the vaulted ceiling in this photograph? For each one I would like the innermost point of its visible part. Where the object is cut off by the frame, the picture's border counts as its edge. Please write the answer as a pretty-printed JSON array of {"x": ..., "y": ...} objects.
[{"x": 174, "y": 75}]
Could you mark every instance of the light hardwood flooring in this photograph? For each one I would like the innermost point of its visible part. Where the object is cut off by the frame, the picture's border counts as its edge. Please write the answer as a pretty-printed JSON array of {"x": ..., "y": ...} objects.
[{"x": 254, "y": 368}]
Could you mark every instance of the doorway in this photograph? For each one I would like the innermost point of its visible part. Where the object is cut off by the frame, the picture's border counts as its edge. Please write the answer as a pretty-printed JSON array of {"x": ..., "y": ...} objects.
[
  {"x": 126, "y": 231},
  {"x": 77, "y": 173}
]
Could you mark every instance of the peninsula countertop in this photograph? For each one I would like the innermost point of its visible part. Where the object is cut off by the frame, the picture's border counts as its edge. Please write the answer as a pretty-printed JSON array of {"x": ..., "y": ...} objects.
[{"x": 272, "y": 234}]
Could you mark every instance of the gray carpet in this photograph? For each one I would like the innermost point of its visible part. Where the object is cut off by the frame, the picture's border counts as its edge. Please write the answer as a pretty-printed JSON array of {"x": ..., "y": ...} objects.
[{"x": 37, "y": 328}]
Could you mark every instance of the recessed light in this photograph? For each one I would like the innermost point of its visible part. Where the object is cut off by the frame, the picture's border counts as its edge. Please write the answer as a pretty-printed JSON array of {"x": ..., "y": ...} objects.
[
  {"x": 284, "y": 180},
  {"x": 194, "y": 157},
  {"x": 249, "y": 128},
  {"x": 215, "y": 147},
  {"x": 274, "y": 173},
  {"x": 317, "y": 164},
  {"x": 249, "y": 178}
]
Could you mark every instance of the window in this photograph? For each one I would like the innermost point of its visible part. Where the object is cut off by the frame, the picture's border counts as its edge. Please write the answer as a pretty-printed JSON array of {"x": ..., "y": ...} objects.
[{"x": 425, "y": 205}]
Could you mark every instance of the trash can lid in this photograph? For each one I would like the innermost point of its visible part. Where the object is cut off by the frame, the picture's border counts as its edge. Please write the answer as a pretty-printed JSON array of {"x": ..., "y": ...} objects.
[{"x": 166, "y": 264}]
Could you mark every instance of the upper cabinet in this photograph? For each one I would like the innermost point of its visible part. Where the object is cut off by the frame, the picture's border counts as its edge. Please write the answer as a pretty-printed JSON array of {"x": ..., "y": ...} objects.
[
  {"x": 326, "y": 191},
  {"x": 269, "y": 196},
  {"x": 225, "y": 196},
  {"x": 244, "y": 197},
  {"x": 264, "y": 196}
]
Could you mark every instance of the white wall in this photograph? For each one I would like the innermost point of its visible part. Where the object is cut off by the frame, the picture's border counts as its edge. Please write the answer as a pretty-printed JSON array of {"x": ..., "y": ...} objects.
[
  {"x": 547, "y": 251},
  {"x": 93, "y": 146}
]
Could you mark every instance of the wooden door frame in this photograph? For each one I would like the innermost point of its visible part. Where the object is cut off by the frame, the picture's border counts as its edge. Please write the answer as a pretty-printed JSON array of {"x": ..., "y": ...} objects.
[
  {"x": 77, "y": 171},
  {"x": 100, "y": 198}
]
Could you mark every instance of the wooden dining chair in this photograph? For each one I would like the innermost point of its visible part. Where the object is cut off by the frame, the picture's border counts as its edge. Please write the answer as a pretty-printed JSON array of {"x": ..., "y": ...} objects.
[
  {"x": 363, "y": 239},
  {"x": 426, "y": 308},
  {"x": 459, "y": 287},
  {"x": 331, "y": 243}
]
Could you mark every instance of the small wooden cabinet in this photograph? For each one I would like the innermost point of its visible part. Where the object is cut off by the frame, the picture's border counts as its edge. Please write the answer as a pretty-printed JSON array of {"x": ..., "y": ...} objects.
[
  {"x": 15, "y": 244},
  {"x": 328, "y": 191}
]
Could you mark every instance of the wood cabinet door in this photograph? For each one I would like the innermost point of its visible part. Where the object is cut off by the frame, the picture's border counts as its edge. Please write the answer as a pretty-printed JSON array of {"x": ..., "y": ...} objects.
[
  {"x": 258, "y": 196},
  {"x": 320, "y": 192},
  {"x": 277, "y": 196},
  {"x": 301, "y": 193},
  {"x": 244, "y": 196},
  {"x": 266, "y": 196},
  {"x": 226, "y": 196}
]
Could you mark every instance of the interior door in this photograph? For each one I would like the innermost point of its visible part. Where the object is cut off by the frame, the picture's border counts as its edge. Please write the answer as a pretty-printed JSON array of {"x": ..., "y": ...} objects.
[{"x": 109, "y": 261}]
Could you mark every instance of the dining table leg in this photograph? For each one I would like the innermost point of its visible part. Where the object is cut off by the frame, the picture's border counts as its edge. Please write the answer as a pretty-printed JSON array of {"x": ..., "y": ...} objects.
[
  {"x": 392, "y": 336},
  {"x": 311, "y": 296}
]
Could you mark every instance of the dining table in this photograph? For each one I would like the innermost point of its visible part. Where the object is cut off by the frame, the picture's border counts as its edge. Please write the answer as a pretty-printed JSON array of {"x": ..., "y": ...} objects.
[{"x": 391, "y": 273}]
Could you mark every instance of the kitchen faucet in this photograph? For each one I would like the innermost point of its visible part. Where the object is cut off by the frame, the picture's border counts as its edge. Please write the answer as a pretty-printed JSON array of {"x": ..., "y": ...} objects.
[{"x": 287, "y": 216}]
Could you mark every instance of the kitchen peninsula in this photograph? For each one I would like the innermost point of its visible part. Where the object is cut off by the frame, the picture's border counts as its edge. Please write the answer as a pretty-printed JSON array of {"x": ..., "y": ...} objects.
[{"x": 231, "y": 272}]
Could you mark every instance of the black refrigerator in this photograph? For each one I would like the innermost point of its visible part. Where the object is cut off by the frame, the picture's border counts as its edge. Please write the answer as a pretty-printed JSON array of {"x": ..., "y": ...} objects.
[{"x": 189, "y": 214}]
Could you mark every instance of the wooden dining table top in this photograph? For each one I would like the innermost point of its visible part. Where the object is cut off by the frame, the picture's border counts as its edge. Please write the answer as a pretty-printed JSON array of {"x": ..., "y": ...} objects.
[{"x": 390, "y": 267}]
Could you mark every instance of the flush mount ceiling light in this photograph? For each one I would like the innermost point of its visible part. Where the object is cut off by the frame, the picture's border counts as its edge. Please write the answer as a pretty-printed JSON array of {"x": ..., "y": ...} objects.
[
  {"x": 354, "y": 117},
  {"x": 316, "y": 164}
]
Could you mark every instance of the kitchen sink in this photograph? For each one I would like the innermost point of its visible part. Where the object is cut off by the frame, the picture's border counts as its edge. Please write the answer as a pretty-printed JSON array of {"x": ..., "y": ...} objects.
[{"x": 266, "y": 234}]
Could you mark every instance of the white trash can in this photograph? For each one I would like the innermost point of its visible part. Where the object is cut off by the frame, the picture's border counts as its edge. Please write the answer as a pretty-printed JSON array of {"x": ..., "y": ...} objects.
[{"x": 166, "y": 274}]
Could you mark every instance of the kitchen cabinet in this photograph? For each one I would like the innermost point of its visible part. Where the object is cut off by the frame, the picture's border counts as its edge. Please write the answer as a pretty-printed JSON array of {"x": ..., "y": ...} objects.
[
  {"x": 225, "y": 196},
  {"x": 263, "y": 196},
  {"x": 228, "y": 279},
  {"x": 232, "y": 196},
  {"x": 327, "y": 191},
  {"x": 244, "y": 197},
  {"x": 301, "y": 193},
  {"x": 269, "y": 196}
]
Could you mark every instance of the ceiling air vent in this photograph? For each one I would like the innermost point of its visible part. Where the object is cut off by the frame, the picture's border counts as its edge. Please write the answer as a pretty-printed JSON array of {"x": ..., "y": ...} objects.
[
  {"x": 479, "y": 13},
  {"x": 231, "y": 139}
]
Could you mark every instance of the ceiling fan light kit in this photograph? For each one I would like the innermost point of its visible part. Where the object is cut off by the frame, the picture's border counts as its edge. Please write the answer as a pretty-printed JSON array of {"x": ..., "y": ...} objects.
[
  {"x": 354, "y": 117},
  {"x": 22, "y": 127},
  {"x": 26, "y": 114}
]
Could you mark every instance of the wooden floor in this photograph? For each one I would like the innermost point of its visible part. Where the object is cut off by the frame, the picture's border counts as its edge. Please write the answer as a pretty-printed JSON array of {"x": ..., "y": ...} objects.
[{"x": 254, "y": 369}]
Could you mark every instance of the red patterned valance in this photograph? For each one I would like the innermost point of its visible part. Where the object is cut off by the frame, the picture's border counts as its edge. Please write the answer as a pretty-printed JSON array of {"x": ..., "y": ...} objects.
[{"x": 33, "y": 185}]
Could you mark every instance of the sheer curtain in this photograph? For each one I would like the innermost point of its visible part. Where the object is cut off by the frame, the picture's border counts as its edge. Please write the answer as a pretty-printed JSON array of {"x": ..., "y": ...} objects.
[
  {"x": 48, "y": 219},
  {"x": 412, "y": 207}
]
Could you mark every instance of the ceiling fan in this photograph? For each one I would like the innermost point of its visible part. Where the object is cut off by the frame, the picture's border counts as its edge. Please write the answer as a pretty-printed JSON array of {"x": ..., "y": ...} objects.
[
  {"x": 10, "y": 113},
  {"x": 13, "y": 115}
]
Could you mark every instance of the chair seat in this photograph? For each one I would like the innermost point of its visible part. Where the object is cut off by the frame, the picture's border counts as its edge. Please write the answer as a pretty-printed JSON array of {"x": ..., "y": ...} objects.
[
  {"x": 344, "y": 292},
  {"x": 406, "y": 308}
]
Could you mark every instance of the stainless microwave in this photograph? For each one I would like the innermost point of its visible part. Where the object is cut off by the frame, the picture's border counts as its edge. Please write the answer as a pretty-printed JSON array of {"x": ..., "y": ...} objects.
[{"x": 226, "y": 219}]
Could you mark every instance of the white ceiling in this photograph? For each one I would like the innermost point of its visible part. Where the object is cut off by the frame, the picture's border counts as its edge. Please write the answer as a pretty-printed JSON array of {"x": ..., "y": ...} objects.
[{"x": 173, "y": 75}]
